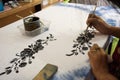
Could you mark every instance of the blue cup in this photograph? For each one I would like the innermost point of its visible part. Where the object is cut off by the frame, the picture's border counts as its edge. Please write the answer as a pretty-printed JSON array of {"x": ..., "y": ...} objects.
[{"x": 1, "y": 6}]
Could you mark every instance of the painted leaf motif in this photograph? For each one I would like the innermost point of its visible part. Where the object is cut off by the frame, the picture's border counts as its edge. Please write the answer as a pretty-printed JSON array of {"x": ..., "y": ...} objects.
[
  {"x": 15, "y": 59},
  {"x": 8, "y": 71},
  {"x": 69, "y": 54},
  {"x": 23, "y": 64},
  {"x": 7, "y": 67},
  {"x": 2, "y": 73},
  {"x": 85, "y": 48}
]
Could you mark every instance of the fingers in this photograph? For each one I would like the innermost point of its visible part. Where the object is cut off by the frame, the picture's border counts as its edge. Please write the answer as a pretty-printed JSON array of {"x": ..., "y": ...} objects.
[
  {"x": 93, "y": 16},
  {"x": 94, "y": 46},
  {"x": 92, "y": 21},
  {"x": 91, "y": 53},
  {"x": 92, "y": 50},
  {"x": 95, "y": 49}
]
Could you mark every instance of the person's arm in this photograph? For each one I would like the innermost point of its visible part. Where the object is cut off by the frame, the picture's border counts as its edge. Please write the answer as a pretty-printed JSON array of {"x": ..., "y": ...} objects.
[
  {"x": 99, "y": 64},
  {"x": 115, "y": 31},
  {"x": 102, "y": 26},
  {"x": 106, "y": 76}
]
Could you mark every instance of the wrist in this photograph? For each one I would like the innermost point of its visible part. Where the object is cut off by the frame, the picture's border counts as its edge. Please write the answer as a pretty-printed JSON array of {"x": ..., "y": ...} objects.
[
  {"x": 105, "y": 76},
  {"x": 112, "y": 31},
  {"x": 100, "y": 73},
  {"x": 100, "y": 76}
]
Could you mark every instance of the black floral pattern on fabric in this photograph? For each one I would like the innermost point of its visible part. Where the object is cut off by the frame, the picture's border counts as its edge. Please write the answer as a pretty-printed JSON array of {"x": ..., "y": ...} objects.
[
  {"x": 25, "y": 57},
  {"x": 82, "y": 43}
]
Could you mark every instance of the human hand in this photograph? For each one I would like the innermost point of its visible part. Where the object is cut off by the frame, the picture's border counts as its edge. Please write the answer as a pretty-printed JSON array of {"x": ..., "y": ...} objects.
[
  {"x": 98, "y": 23},
  {"x": 98, "y": 60}
]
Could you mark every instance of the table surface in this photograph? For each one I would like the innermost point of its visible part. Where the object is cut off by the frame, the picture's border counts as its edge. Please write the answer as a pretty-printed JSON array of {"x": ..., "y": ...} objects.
[{"x": 66, "y": 23}]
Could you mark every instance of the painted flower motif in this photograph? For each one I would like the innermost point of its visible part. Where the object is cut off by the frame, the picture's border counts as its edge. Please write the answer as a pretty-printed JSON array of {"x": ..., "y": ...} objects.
[
  {"x": 82, "y": 43},
  {"x": 27, "y": 54}
]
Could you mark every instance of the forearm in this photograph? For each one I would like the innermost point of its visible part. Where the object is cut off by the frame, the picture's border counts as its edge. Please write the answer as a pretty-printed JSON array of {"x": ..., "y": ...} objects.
[{"x": 115, "y": 31}]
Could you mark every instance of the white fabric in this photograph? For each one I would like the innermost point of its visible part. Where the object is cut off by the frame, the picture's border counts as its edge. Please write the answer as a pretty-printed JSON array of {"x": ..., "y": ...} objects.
[{"x": 65, "y": 24}]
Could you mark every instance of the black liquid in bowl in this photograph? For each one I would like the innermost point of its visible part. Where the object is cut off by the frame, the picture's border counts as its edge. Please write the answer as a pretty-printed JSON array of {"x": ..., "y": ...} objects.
[{"x": 31, "y": 23}]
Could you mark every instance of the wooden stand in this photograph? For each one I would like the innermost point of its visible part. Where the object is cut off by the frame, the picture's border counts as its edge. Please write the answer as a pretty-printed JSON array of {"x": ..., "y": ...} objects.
[
  {"x": 23, "y": 10},
  {"x": 50, "y": 2}
]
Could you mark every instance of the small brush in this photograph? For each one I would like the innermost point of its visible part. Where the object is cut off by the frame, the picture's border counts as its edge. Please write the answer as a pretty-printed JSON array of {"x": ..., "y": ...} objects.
[{"x": 93, "y": 12}]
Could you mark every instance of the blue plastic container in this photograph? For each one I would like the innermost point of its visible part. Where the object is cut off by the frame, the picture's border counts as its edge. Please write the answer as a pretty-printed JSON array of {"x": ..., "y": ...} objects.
[{"x": 1, "y": 6}]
